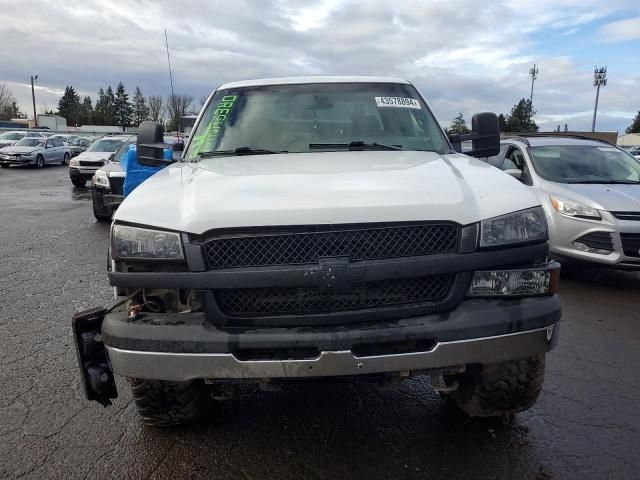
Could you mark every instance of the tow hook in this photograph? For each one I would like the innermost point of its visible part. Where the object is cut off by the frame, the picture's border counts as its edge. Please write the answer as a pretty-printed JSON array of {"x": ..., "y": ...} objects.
[{"x": 95, "y": 371}]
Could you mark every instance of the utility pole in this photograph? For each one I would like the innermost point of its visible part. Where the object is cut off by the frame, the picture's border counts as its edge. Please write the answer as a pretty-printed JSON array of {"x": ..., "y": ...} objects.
[
  {"x": 534, "y": 74},
  {"x": 33, "y": 99},
  {"x": 599, "y": 79}
]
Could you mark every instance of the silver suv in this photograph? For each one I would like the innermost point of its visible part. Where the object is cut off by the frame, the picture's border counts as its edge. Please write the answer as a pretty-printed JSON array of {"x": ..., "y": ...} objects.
[{"x": 590, "y": 191}]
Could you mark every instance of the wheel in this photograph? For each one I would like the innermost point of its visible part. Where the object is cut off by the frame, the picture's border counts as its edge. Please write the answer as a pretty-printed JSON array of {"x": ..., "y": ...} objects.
[
  {"x": 164, "y": 404},
  {"x": 65, "y": 160},
  {"x": 78, "y": 182},
  {"x": 39, "y": 161},
  {"x": 4, "y": 165},
  {"x": 100, "y": 217},
  {"x": 499, "y": 389}
]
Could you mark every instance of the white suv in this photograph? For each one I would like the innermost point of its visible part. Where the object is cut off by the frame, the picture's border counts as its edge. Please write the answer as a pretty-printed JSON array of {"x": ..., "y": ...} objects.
[
  {"x": 84, "y": 166},
  {"x": 323, "y": 227}
]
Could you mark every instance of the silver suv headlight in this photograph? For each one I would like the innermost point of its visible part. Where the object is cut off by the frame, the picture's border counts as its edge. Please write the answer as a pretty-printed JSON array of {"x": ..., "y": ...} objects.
[
  {"x": 524, "y": 226},
  {"x": 133, "y": 243},
  {"x": 574, "y": 209},
  {"x": 100, "y": 178}
]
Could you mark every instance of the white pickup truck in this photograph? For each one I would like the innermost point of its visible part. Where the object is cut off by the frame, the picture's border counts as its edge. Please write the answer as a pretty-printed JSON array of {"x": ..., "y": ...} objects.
[{"x": 323, "y": 227}]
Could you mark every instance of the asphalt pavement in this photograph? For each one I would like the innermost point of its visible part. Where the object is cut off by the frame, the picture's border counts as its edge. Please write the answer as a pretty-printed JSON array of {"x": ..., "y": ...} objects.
[{"x": 586, "y": 424}]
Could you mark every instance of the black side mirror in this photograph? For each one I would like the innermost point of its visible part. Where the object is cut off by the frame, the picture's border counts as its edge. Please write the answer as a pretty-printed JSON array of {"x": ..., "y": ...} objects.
[
  {"x": 150, "y": 145},
  {"x": 484, "y": 136}
]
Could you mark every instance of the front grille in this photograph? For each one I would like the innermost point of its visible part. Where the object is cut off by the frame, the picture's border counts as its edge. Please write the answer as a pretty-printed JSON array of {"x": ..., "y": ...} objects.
[
  {"x": 117, "y": 184},
  {"x": 84, "y": 163},
  {"x": 631, "y": 216},
  {"x": 355, "y": 243},
  {"x": 631, "y": 244},
  {"x": 597, "y": 240},
  {"x": 306, "y": 300}
]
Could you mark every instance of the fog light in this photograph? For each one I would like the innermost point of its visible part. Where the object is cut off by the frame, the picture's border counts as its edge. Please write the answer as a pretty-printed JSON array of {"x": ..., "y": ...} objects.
[
  {"x": 585, "y": 248},
  {"x": 505, "y": 283}
]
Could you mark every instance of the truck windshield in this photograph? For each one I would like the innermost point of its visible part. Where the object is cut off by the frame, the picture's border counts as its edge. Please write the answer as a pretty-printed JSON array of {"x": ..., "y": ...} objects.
[
  {"x": 315, "y": 117},
  {"x": 585, "y": 164}
]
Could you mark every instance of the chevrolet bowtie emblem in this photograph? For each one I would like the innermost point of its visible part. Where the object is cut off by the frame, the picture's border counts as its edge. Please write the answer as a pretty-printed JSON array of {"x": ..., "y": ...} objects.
[{"x": 335, "y": 273}]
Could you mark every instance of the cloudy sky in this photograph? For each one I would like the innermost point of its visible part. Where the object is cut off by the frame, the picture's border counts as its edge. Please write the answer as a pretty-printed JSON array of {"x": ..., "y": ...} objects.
[{"x": 463, "y": 57}]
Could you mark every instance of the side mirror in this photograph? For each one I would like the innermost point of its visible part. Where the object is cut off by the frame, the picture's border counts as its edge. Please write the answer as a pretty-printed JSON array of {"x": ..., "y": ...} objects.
[
  {"x": 150, "y": 145},
  {"x": 514, "y": 172},
  {"x": 484, "y": 136}
]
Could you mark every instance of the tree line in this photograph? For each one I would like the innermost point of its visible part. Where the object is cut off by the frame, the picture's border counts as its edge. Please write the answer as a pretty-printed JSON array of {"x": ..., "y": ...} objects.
[
  {"x": 115, "y": 108},
  {"x": 520, "y": 119}
]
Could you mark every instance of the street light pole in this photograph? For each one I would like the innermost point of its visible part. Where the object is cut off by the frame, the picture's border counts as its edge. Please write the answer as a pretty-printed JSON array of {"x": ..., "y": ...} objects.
[
  {"x": 599, "y": 79},
  {"x": 534, "y": 74},
  {"x": 33, "y": 99}
]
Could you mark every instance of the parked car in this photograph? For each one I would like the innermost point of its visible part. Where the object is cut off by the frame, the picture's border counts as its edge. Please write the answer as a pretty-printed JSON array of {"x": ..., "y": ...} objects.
[
  {"x": 83, "y": 166},
  {"x": 66, "y": 139},
  {"x": 35, "y": 151},
  {"x": 590, "y": 191},
  {"x": 108, "y": 181},
  {"x": 323, "y": 227},
  {"x": 107, "y": 184},
  {"x": 635, "y": 151},
  {"x": 10, "y": 138},
  {"x": 36, "y": 135},
  {"x": 79, "y": 145}
]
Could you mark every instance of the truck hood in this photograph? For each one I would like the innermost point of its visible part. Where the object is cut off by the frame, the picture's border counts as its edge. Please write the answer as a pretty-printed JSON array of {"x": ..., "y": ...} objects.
[
  {"x": 323, "y": 188},
  {"x": 610, "y": 197},
  {"x": 94, "y": 156}
]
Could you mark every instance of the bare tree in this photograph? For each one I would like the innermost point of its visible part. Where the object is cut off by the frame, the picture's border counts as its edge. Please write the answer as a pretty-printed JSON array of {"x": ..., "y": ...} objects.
[
  {"x": 8, "y": 107},
  {"x": 178, "y": 106},
  {"x": 156, "y": 108}
]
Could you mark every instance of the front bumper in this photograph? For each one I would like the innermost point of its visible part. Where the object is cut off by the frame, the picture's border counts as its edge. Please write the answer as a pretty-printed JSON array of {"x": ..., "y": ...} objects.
[
  {"x": 564, "y": 231},
  {"x": 16, "y": 161},
  {"x": 85, "y": 173},
  {"x": 182, "y": 347}
]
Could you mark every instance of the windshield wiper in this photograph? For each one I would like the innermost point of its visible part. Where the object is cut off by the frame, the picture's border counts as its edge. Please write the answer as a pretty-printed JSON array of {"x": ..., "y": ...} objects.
[
  {"x": 355, "y": 145},
  {"x": 607, "y": 182},
  {"x": 240, "y": 151}
]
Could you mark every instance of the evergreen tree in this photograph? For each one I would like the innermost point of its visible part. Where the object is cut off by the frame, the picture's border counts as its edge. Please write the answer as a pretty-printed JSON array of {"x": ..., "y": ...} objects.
[
  {"x": 140, "y": 108},
  {"x": 521, "y": 117},
  {"x": 635, "y": 125},
  {"x": 86, "y": 111},
  {"x": 99, "y": 112},
  {"x": 502, "y": 123},
  {"x": 69, "y": 106},
  {"x": 123, "y": 111},
  {"x": 458, "y": 126},
  {"x": 109, "y": 107}
]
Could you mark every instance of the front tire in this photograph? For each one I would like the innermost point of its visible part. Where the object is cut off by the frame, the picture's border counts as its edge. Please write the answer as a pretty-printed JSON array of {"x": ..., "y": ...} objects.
[
  {"x": 78, "y": 182},
  {"x": 165, "y": 404},
  {"x": 4, "y": 165},
  {"x": 39, "y": 161},
  {"x": 499, "y": 389},
  {"x": 65, "y": 160}
]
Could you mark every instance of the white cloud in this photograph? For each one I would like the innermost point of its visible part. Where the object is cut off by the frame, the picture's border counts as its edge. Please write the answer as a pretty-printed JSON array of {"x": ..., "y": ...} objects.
[
  {"x": 621, "y": 30},
  {"x": 463, "y": 57}
]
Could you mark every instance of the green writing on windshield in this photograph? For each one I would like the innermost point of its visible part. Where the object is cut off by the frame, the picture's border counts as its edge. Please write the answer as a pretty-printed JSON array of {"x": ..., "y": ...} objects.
[{"x": 207, "y": 140}]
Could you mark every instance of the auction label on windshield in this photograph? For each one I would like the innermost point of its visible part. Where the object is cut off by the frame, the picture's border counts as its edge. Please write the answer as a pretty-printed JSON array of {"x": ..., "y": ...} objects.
[{"x": 398, "y": 102}]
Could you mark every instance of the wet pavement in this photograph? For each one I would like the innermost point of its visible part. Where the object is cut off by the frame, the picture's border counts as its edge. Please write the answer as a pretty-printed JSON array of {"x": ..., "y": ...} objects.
[{"x": 52, "y": 263}]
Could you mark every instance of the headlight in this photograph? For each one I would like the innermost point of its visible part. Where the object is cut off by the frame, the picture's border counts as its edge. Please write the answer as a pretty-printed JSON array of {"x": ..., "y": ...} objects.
[
  {"x": 144, "y": 244},
  {"x": 518, "y": 227},
  {"x": 574, "y": 209},
  {"x": 100, "y": 178},
  {"x": 516, "y": 283},
  {"x": 74, "y": 162}
]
